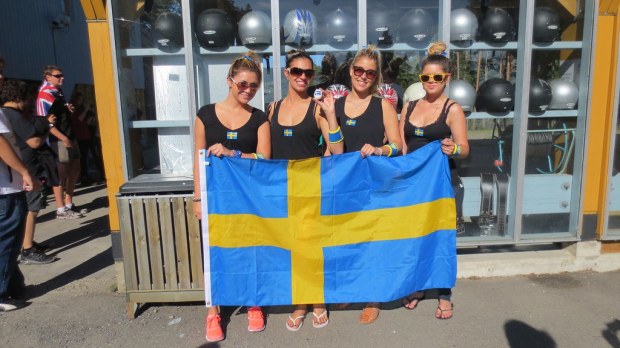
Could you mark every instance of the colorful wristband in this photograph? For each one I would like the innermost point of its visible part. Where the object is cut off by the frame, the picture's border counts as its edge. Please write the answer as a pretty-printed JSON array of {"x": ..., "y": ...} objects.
[{"x": 236, "y": 153}]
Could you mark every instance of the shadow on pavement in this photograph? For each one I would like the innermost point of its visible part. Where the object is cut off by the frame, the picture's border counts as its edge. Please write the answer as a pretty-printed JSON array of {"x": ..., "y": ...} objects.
[
  {"x": 611, "y": 333},
  {"x": 97, "y": 203},
  {"x": 93, "y": 229},
  {"x": 521, "y": 335},
  {"x": 93, "y": 265}
]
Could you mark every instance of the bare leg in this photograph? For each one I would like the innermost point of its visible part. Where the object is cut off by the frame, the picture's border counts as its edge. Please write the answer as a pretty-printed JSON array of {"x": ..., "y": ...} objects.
[
  {"x": 29, "y": 234},
  {"x": 58, "y": 197},
  {"x": 73, "y": 174}
]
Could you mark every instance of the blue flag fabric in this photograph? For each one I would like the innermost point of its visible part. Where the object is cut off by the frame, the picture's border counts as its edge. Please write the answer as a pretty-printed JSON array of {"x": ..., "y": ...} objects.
[{"x": 328, "y": 230}]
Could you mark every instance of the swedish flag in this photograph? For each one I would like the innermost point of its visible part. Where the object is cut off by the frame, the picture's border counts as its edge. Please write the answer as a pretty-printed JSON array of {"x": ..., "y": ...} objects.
[{"x": 327, "y": 230}]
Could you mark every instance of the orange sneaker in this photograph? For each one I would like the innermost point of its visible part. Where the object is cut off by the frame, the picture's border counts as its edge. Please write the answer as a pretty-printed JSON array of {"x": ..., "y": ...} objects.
[
  {"x": 213, "y": 328},
  {"x": 256, "y": 320}
]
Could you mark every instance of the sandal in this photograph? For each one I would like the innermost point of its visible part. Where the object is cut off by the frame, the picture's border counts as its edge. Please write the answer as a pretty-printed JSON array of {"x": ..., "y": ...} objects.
[
  {"x": 369, "y": 315},
  {"x": 316, "y": 322},
  {"x": 411, "y": 302},
  {"x": 294, "y": 321},
  {"x": 442, "y": 311}
]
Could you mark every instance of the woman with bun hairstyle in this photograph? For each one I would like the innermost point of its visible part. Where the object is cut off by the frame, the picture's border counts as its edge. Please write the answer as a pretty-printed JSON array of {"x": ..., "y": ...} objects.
[
  {"x": 436, "y": 117},
  {"x": 369, "y": 124},
  {"x": 298, "y": 125},
  {"x": 232, "y": 128}
]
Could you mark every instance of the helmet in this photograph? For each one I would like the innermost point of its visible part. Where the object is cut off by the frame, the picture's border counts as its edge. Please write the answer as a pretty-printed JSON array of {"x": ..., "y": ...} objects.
[
  {"x": 564, "y": 94},
  {"x": 414, "y": 92},
  {"x": 463, "y": 93},
  {"x": 215, "y": 28},
  {"x": 255, "y": 28},
  {"x": 169, "y": 31},
  {"x": 339, "y": 90},
  {"x": 463, "y": 25},
  {"x": 495, "y": 95},
  {"x": 379, "y": 25},
  {"x": 497, "y": 26},
  {"x": 540, "y": 95},
  {"x": 299, "y": 27},
  {"x": 546, "y": 24},
  {"x": 340, "y": 27},
  {"x": 416, "y": 27},
  {"x": 388, "y": 93}
]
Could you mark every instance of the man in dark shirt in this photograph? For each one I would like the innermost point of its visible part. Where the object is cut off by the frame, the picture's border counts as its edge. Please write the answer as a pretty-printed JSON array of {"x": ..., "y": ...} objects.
[{"x": 30, "y": 135}]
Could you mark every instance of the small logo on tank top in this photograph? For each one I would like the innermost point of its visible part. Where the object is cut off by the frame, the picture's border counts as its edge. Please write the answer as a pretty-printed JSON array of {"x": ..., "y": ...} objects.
[
  {"x": 288, "y": 132},
  {"x": 419, "y": 132},
  {"x": 231, "y": 135},
  {"x": 351, "y": 123}
]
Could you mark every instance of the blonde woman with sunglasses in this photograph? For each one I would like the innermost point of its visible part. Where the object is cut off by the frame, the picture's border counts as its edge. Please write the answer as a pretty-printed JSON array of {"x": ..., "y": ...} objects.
[
  {"x": 232, "y": 128},
  {"x": 369, "y": 125},
  {"x": 298, "y": 125},
  {"x": 436, "y": 117}
]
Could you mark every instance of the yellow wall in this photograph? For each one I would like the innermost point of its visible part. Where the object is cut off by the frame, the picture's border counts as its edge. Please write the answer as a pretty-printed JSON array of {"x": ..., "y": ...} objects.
[
  {"x": 103, "y": 76},
  {"x": 601, "y": 109}
]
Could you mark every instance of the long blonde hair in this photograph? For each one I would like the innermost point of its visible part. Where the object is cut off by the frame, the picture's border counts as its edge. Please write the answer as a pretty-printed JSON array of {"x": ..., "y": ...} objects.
[{"x": 371, "y": 52}]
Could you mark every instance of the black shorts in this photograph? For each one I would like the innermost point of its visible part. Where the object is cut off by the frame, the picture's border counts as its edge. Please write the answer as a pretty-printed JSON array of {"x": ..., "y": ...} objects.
[{"x": 37, "y": 200}]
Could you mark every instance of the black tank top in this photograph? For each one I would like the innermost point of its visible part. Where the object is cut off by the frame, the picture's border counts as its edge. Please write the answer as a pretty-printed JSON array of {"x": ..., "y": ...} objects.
[
  {"x": 367, "y": 128},
  {"x": 416, "y": 137},
  {"x": 244, "y": 138},
  {"x": 295, "y": 142}
]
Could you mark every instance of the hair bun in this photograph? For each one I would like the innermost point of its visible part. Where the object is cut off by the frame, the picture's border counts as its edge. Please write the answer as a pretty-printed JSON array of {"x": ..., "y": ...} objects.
[{"x": 437, "y": 48}]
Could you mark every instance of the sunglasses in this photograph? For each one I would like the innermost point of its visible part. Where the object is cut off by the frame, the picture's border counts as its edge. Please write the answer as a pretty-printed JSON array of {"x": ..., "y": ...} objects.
[
  {"x": 434, "y": 77},
  {"x": 58, "y": 76},
  {"x": 299, "y": 71},
  {"x": 245, "y": 85},
  {"x": 370, "y": 74}
]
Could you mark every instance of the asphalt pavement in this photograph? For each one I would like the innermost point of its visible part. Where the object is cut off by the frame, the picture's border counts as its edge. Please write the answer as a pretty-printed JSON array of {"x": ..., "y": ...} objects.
[{"x": 73, "y": 302}]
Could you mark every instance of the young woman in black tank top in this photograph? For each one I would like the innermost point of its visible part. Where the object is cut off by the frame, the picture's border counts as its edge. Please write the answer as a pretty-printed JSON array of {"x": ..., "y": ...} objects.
[
  {"x": 435, "y": 117},
  {"x": 297, "y": 123},
  {"x": 235, "y": 129},
  {"x": 369, "y": 124}
]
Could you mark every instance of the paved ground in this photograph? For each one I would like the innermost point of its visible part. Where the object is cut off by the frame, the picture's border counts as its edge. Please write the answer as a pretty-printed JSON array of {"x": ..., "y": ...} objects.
[{"x": 73, "y": 303}]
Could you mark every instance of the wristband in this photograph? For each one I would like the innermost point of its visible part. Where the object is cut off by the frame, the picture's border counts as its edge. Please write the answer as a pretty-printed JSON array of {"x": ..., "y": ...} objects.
[
  {"x": 258, "y": 156},
  {"x": 393, "y": 149},
  {"x": 196, "y": 199},
  {"x": 335, "y": 136},
  {"x": 457, "y": 151},
  {"x": 236, "y": 153}
]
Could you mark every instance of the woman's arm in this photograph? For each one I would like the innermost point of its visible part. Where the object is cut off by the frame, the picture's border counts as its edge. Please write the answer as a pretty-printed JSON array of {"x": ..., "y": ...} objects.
[
  {"x": 401, "y": 126},
  {"x": 264, "y": 141},
  {"x": 328, "y": 123},
  {"x": 458, "y": 127}
]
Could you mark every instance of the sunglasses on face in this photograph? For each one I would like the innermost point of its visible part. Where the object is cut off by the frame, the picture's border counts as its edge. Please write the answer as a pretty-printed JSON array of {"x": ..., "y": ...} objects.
[
  {"x": 434, "y": 77},
  {"x": 370, "y": 74},
  {"x": 299, "y": 71},
  {"x": 245, "y": 85},
  {"x": 58, "y": 76}
]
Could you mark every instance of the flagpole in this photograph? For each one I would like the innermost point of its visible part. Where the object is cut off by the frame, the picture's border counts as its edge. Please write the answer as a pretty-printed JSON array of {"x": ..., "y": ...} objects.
[{"x": 206, "y": 256}]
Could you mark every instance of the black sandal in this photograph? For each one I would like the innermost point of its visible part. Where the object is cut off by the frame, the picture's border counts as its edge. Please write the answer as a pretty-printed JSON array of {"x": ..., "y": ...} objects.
[{"x": 413, "y": 297}]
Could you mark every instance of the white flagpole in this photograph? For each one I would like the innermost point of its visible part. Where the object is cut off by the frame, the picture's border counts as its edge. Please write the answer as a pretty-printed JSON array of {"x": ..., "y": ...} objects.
[{"x": 206, "y": 256}]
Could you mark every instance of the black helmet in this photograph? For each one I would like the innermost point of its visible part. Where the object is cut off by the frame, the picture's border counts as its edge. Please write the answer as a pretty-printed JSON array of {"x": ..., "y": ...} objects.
[
  {"x": 495, "y": 95},
  {"x": 497, "y": 26},
  {"x": 381, "y": 27},
  {"x": 546, "y": 24},
  {"x": 255, "y": 28},
  {"x": 215, "y": 28},
  {"x": 564, "y": 94},
  {"x": 416, "y": 27},
  {"x": 463, "y": 25},
  {"x": 299, "y": 27},
  {"x": 340, "y": 27},
  {"x": 463, "y": 93},
  {"x": 540, "y": 95},
  {"x": 169, "y": 31}
]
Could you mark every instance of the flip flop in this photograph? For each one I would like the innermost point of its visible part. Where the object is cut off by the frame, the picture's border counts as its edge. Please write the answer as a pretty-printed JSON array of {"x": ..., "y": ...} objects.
[
  {"x": 294, "y": 320},
  {"x": 318, "y": 325},
  {"x": 407, "y": 301},
  {"x": 343, "y": 306},
  {"x": 441, "y": 311}
]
